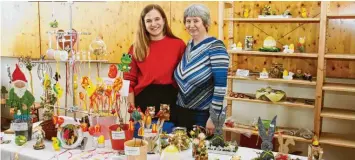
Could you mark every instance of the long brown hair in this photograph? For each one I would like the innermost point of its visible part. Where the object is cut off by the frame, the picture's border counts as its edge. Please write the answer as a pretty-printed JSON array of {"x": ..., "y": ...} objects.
[{"x": 141, "y": 43}]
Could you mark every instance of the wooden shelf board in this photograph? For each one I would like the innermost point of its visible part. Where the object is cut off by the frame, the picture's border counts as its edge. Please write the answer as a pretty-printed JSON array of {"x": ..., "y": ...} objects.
[
  {"x": 275, "y": 80},
  {"x": 339, "y": 87},
  {"x": 289, "y": 104},
  {"x": 341, "y": 16},
  {"x": 338, "y": 113},
  {"x": 255, "y": 132},
  {"x": 310, "y": 55},
  {"x": 275, "y": 20},
  {"x": 337, "y": 140},
  {"x": 339, "y": 56}
]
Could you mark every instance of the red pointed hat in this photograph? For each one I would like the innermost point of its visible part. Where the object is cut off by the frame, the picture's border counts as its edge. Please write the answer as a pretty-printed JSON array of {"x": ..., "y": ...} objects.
[{"x": 18, "y": 75}]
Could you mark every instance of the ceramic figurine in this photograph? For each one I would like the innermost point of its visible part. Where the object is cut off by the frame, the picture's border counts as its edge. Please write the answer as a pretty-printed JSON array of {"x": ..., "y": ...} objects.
[
  {"x": 291, "y": 48},
  {"x": 300, "y": 45},
  {"x": 304, "y": 13},
  {"x": 287, "y": 13},
  {"x": 288, "y": 48},
  {"x": 285, "y": 48},
  {"x": 233, "y": 46},
  {"x": 56, "y": 144},
  {"x": 239, "y": 46},
  {"x": 39, "y": 138},
  {"x": 298, "y": 74},
  {"x": 286, "y": 75},
  {"x": 315, "y": 152},
  {"x": 307, "y": 76},
  {"x": 246, "y": 13}
]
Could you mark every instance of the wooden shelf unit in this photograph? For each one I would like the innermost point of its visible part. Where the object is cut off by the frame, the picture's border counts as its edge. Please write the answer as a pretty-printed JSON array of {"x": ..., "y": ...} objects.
[
  {"x": 258, "y": 53},
  {"x": 275, "y": 80},
  {"x": 319, "y": 84},
  {"x": 338, "y": 113},
  {"x": 339, "y": 56},
  {"x": 255, "y": 132},
  {"x": 339, "y": 87},
  {"x": 274, "y": 20},
  {"x": 283, "y": 103},
  {"x": 338, "y": 140}
]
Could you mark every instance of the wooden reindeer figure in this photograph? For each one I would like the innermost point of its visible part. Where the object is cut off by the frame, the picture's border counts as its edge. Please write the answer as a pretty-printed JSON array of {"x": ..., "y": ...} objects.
[{"x": 283, "y": 148}]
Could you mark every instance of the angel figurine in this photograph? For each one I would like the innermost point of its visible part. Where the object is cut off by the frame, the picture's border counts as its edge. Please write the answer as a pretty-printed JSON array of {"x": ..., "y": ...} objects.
[
  {"x": 39, "y": 138},
  {"x": 267, "y": 145}
]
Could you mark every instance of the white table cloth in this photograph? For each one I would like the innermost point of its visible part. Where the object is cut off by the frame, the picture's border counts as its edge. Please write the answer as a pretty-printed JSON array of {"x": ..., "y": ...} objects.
[{"x": 27, "y": 152}]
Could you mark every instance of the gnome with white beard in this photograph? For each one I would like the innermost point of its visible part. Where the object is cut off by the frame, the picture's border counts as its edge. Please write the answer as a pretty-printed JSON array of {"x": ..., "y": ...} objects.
[{"x": 20, "y": 99}]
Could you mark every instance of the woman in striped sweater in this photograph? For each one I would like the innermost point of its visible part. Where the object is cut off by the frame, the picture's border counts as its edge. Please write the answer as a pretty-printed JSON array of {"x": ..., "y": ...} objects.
[{"x": 201, "y": 74}]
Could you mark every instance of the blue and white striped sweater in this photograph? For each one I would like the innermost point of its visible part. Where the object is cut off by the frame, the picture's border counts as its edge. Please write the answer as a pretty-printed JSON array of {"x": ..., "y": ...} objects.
[{"x": 202, "y": 75}]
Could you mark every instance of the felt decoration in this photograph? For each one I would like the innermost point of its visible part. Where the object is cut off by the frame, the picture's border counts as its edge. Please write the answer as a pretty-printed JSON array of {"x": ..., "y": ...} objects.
[{"x": 19, "y": 97}]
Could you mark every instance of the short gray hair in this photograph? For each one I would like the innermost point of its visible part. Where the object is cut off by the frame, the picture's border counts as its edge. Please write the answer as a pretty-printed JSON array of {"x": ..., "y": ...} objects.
[{"x": 198, "y": 10}]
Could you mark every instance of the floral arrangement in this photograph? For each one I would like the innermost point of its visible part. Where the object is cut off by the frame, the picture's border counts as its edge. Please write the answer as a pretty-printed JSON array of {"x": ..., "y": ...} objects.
[{"x": 199, "y": 148}]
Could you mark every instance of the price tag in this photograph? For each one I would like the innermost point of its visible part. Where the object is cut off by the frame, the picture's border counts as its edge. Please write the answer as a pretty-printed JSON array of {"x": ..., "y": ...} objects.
[
  {"x": 118, "y": 135},
  {"x": 147, "y": 130},
  {"x": 242, "y": 72},
  {"x": 264, "y": 75},
  {"x": 108, "y": 81},
  {"x": 19, "y": 126},
  {"x": 131, "y": 151}
]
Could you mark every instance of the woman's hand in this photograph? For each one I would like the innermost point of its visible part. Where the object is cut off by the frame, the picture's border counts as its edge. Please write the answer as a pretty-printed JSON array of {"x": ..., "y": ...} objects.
[
  {"x": 131, "y": 99},
  {"x": 210, "y": 126}
]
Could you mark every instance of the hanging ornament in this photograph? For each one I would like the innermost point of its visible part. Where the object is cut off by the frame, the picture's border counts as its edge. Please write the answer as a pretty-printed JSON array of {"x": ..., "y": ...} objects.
[
  {"x": 64, "y": 39},
  {"x": 112, "y": 73},
  {"x": 126, "y": 60}
]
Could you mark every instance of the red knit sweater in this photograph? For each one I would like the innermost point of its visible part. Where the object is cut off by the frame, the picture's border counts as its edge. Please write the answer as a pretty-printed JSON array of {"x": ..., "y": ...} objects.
[{"x": 158, "y": 67}]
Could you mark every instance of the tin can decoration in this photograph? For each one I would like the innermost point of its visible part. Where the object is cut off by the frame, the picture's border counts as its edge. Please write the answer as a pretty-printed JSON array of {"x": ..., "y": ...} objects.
[{"x": 248, "y": 43}]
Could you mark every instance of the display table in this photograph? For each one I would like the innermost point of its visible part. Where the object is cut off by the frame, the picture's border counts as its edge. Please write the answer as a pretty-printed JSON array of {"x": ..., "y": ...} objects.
[{"x": 26, "y": 152}]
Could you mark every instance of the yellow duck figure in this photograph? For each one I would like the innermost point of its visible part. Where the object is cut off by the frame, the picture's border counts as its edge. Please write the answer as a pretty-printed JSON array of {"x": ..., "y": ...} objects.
[
  {"x": 246, "y": 13},
  {"x": 58, "y": 89},
  {"x": 56, "y": 144},
  {"x": 46, "y": 81},
  {"x": 304, "y": 13},
  {"x": 101, "y": 141}
]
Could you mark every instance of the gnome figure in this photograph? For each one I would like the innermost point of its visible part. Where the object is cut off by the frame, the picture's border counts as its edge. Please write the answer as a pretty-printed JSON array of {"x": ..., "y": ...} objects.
[{"x": 19, "y": 97}]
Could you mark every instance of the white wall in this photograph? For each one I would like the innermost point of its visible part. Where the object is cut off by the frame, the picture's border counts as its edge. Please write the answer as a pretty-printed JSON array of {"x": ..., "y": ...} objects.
[{"x": 243, "y": 111}]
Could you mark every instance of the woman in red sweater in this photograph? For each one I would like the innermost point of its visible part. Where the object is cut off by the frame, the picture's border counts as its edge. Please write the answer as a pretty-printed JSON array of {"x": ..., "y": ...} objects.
[{"x": 156, "y": 53}]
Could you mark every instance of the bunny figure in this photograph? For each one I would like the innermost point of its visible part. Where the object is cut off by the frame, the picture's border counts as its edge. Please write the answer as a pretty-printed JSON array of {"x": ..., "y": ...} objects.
[
  {"x": 218, "y": 119},
  {"x": 267, "y": 145}
]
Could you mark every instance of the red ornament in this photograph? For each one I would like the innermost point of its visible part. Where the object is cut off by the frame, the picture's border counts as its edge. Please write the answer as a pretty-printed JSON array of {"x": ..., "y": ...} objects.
[
  {"x": 55, "y": 119},
  {"x": 60, "y": 121},
  {"x": 97, "y": 128},
  {"x": 112, "y": 73},
  {"x": 84, "y": 127},
  {"x": 91, "y": 130}
]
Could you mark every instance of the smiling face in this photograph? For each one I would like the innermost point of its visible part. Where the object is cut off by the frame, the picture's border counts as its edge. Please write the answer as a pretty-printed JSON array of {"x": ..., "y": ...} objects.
[
  {"x": 154, "y": 24},
  {"x": 195, "y": 26}
]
